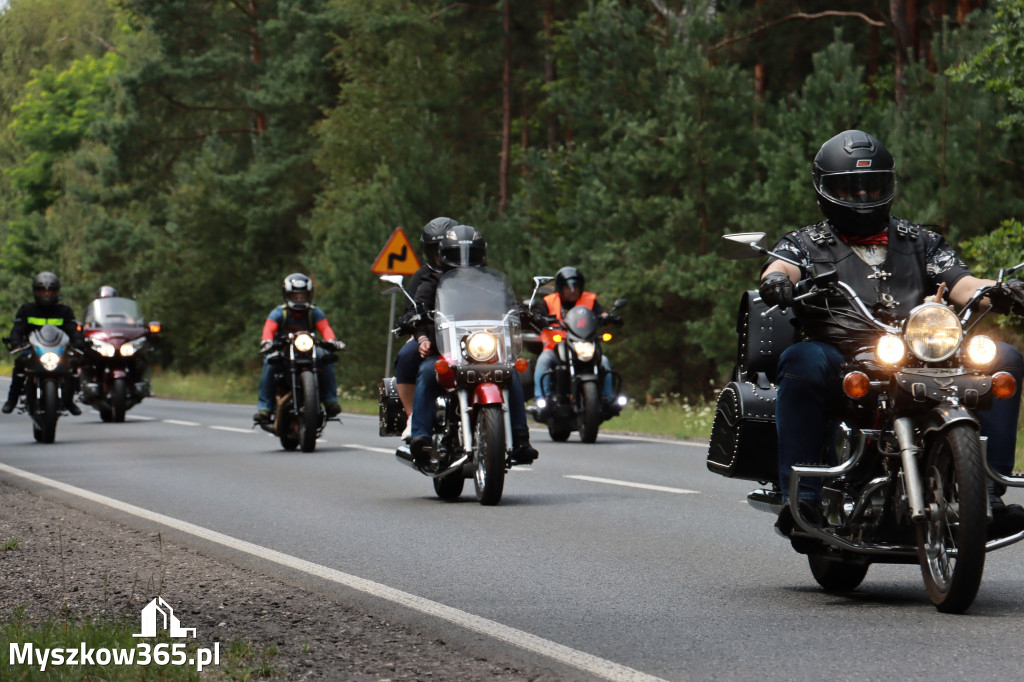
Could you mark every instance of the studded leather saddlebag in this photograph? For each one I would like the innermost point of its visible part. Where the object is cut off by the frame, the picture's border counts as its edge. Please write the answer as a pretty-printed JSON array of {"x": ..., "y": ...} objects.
[
  {"x": 743, "y": 442},
  {"x": 392, "y": 414}
]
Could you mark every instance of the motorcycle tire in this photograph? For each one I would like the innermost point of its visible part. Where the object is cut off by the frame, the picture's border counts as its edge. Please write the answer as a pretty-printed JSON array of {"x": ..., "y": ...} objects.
[
  {"x": 489, "y": 453},
  {"x": 106, "y": 415},
  {"x": 836, "y": 575},
  {"x": 309, "y": 413},
  {"x": 118, "y": 400},
  {"x": 589, "y": 412},
  {"x": 50, "y": 405},
  {"x": 951, "y": 544},
  {"x": 449, "y": 487},
  {"x": 559, "y": 434}
]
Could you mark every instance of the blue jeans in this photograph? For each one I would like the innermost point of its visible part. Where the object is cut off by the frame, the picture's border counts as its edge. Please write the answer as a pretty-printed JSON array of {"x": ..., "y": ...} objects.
[
  {"x": 810, "y": 394},
  {"x": 326, "y": 380},
  {"x": 425, "y": 400},
  {"x": 547, "y": 359},
  {"x": 407, "y": 362}
]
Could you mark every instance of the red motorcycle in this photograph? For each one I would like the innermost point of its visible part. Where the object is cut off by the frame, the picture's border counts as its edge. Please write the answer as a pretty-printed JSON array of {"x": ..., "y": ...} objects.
[{"x": 114, "y": 375}]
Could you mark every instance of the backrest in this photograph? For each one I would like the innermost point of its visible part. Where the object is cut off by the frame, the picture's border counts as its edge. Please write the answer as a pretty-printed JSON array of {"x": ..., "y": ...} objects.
[{"x": 762, "y": 339}]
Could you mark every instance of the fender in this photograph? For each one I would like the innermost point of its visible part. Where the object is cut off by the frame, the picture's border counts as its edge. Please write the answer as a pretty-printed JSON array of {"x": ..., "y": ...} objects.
[
  {"x": 487, "y": 394},
  {"x": 943, "y": 416}
]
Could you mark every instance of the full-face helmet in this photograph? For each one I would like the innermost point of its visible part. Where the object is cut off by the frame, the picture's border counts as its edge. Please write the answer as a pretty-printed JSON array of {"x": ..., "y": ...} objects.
[
  {"x": 298, "y": 292},
  {"x": 106, "y": 291},
  {"x": 854, "y": 176},
  {"x": 569, "y": 284},
  {"x": 430, "y": 240},
  {"x": 46, "y": 288},
  {"x": 462, "y": 247}
]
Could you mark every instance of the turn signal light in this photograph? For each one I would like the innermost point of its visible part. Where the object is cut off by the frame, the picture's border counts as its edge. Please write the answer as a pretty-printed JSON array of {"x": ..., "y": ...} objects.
[
  {"x": 522, "y": 364},
  {"x": 154, "y": 327},
  {"x": 558, "y": 338},
  {"x": 856, "y": 384},
  {"x": 1003, "y": 385},
  {"x": 442, "y": 366},
  {"x": 606, "y": 337},
  {"x": 445, "y": 373}
]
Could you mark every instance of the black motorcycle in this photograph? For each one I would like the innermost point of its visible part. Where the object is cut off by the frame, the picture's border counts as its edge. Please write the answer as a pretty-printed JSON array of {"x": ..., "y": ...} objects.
[
  {"x": 49, "y": 380},
  {"x": 479, "y": 339},
  {"x": 574, "y": 383},
  {"x": 904, "y": 479},
  {"x": 114, "y": 375},
  {"x": 298, "y": 418}
]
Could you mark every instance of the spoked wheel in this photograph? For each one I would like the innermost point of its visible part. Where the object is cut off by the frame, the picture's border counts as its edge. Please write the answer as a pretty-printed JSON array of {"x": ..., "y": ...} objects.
[
  {"x": 50, "y": 405},
  {"x": 118, "y": 400},
  {"x": 951, "y": 544},
  {"x": 836, "y": 575},
  {"x": 489, "y": 453},
  {"x": 309, "y": 413},
  {"x": 590, "y": 412},
  {"x": 449, "y": 487}
]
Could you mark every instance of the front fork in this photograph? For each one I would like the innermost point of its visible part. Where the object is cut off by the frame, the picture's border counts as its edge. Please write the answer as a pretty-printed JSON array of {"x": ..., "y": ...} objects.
[{"x": 485, "y": 394}]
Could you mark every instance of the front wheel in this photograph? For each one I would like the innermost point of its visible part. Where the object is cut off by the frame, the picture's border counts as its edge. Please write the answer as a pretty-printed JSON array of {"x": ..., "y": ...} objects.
[
  {"x": 309, "y": 412},
  {"x": 489, "y": 453},
  {"x": 50, "y": 405},
  {"x": 951, "y": 544},
  {"x": 589, "y": 412},
  {"x": 118, "y": 400}
]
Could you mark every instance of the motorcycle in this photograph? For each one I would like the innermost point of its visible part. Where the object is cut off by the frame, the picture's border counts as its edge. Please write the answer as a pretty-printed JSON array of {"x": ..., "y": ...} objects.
[
  {"x": 114, "y": 375},
  {"x": 479, "y": 339},
  {"x": 904, "y": 477},
  {"x": 48, "y": 369},
  {"x": 574, "y": 383},
  {"x": 298, "y": 417}
]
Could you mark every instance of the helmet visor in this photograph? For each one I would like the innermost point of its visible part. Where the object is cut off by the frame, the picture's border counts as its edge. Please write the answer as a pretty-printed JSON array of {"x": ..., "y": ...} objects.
[
  {"x": 464, "y": 254},
  {"x": 299, "y": 297},
  {"x": 859, "y": 189}
]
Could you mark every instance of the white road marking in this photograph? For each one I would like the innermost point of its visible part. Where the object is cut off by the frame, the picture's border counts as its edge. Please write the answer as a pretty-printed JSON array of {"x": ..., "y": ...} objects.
[
  {"x": 177, "y": 422},
  {"x": 232, "y": 429},
  {"x": 136, "y": 418},
  {"x": 644, "y": 486},
  {"x": 589, "y": 663},
  {"x": 384, "y": 451}
]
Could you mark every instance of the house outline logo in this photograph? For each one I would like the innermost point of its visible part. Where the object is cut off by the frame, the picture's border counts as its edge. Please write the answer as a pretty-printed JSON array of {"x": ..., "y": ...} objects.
[{"x": 159, "y": 613}]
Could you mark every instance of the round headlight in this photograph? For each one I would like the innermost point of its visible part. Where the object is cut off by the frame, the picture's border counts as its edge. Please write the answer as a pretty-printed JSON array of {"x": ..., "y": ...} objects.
[
  {"x": 933, "y": 332},
  {"x": 890, "y": 349},
  {"x": 49, "y": 360},
  {"x": 981, "y": 350},
  {"x": 481, "y": 346},
  {"x": 303, "y": 343},
  {"x": 584, "y": 350}
]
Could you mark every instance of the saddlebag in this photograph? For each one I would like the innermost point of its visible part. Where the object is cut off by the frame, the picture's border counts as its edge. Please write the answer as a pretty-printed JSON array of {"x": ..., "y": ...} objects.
[
  {"x": 744, "y": 443},
  {"x": 392, "y": 414}
]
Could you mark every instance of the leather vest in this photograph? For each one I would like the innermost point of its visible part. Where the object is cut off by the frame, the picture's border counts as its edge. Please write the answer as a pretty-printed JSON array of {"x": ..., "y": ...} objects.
[
  {"x": 890, "y": 291},
  {"x": 554, "y": 301}
]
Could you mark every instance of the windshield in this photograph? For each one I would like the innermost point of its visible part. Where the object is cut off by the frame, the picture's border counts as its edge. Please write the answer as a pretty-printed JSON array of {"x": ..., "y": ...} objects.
[
  {"x": 477, "y": 299},
  {"x": 107, "y": 313}
]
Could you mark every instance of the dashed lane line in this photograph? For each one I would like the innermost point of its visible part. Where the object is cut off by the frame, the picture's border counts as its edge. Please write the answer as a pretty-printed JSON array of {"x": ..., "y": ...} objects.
[
  {"x": 643, "y": 486},
  {"x": 581, "y": 660},
  {"x": 178, "y": 422}
]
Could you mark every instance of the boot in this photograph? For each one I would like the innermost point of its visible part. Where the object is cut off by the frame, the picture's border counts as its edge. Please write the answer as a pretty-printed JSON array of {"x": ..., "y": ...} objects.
[{"x": 522, "y": 451}]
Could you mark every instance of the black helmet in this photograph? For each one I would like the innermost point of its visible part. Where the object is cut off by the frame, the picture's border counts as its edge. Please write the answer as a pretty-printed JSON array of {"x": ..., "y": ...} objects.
[
  {"x": 569, "y": 278},
  {"x": 106, "y": 291},
  {"x": 298, "y": 291},
  {"x": 461, "y": 247},
  {"x": 46, "y": 288},
  {"x": 855, "y": 180},
  {"x": 430, "y": 240}
]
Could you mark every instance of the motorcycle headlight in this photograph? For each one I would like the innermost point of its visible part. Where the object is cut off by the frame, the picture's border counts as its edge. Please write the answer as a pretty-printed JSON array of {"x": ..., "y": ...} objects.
[
  {"x": 303, "y": 343},
  {"x": 105, "y": 349},
  {"x": 584, "y": 350},
  {"x": 890, "y": 349},
  {"x": 981, "y": 350},
  {"x": 481, "y": 346},
  {"x": 49, "y": 360},
  {"x": 933, "y": 332},
  {"x": 129, "y": 349}
]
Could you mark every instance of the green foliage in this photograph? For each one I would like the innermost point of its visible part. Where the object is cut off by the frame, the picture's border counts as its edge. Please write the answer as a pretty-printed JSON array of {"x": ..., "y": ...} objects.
[{"x": 1001, "y": 248}]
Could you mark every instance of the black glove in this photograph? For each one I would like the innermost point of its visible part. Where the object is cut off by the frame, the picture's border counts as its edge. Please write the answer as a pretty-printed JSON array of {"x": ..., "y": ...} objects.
[
  {"x": 777, "y": 289},
  {"x": 266, "y": 346},
  {"x": 406, "y": 324},
  {"x": 1008, "y": 298}
]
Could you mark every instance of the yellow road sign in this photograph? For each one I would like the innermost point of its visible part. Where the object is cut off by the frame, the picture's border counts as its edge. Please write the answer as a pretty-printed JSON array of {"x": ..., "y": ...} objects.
[{"x": 397, "y": 257}]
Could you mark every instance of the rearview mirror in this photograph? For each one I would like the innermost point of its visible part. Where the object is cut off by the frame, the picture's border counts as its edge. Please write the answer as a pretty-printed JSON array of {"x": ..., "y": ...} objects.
[
  {"x": 742, "y": 245},
  {"x": 390, "y": 284},
  {"x": 619, "y": 303}
]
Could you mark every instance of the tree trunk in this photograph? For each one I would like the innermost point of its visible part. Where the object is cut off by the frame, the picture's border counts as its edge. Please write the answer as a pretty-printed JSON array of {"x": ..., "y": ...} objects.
[
  {"x": 901, "y": 33},
  {"x": 549, "y": 69},
  {"x": 506, "y": 107}
]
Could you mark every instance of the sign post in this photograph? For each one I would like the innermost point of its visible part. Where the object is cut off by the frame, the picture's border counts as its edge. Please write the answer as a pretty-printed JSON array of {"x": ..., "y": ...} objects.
[{"x": 396, "y": 258}]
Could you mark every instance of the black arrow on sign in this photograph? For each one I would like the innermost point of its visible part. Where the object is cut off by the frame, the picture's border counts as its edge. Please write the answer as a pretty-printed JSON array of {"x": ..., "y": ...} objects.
[{"x": 397, "y": 256}]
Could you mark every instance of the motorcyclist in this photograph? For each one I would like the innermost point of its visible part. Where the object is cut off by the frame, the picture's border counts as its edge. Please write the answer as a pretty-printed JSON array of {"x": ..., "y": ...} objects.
[
  {"x": 407, "y": 361},
  {"x": 569, "y": 292},
  {"x": 44, "y": 309},
  {"x": 461, "y": 246},
  {"x": 297, "y": 314},
  {"x": 106, "y": 291},
  {"x": 892, "y": 265}
]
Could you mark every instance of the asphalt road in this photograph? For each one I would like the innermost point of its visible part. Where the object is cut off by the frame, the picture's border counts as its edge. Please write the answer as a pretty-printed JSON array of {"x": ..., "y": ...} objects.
[{"x": 627, "y": 549}]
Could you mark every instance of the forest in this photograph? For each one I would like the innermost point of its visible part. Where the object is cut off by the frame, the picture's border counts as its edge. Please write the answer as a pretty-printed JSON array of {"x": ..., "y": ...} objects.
[{"x": 191, "y": 153}]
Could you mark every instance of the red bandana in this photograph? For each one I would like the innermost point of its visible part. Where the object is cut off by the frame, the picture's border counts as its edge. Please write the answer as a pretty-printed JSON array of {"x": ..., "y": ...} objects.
[{"x": 880, "y": 238}]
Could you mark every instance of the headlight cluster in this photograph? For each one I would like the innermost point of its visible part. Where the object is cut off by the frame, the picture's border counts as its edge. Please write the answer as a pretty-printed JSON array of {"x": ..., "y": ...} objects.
[
  {"x": 108, "y": 350},
  {"x": 481, "y": 346},
  {"x": 303, "y": 343},
  {"x": 933, "y": 332},
  {"x": 584, "y": 350}
]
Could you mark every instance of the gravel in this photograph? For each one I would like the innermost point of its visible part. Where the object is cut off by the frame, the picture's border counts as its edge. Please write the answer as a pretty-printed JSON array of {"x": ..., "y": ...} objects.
[{"x": 69, "y": 563}]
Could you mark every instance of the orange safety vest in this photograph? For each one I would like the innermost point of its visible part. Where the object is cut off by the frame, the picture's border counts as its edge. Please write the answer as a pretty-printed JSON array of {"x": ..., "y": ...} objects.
[{"x": 587, "y": 299}]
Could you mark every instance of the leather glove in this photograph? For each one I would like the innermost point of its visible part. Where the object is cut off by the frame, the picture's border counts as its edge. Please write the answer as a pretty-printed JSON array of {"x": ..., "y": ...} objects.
[
  {"x": 266, "y": 346},
  {"x": 777, "y": 289},
  {"x": 337, "y": 344},
  {"x": 1010, "y": 298}
]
